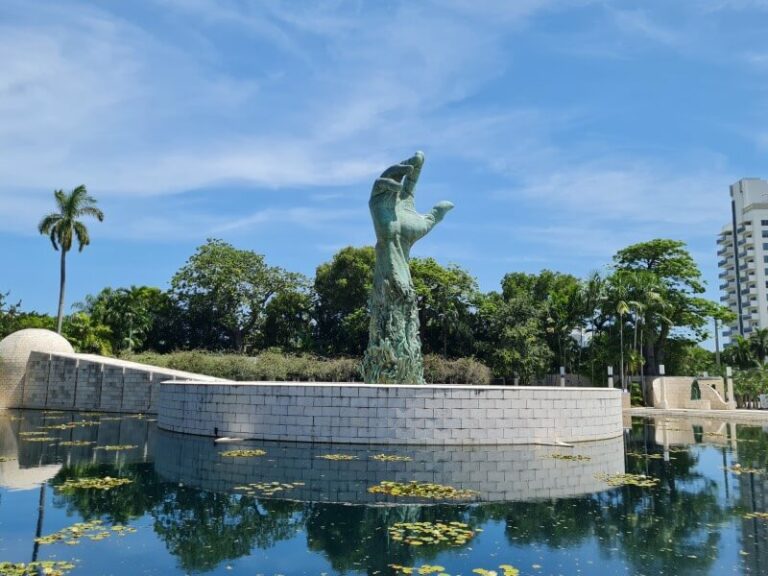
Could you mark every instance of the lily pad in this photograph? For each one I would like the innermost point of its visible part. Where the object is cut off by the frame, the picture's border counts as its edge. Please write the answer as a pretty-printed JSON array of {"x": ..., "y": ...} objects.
[
  {"x": 116, "y": 447},
  {"x": 431, "y": 533},
  {"x": 94, "y": 530},
  {"x": 414, "y": 489},
  {"x": 338, "y": 457},
  {"x": 76, "y": 443},
  {"x": 391, "y": 458},
  {"x": 242, "y": 453},
  {"x": 424, "y": 569},
  {"x": 571, "y": 457},
  {"x": 758, "y": 515},
  {"x": 106, "y": 483},
  {"x": 47, "y": 567},
  {"x": 267, "y": 488},
  {"x": 738, "y": 469},
  {"x": 6, "y": 458},
  {"x": 640, "y": 480}
]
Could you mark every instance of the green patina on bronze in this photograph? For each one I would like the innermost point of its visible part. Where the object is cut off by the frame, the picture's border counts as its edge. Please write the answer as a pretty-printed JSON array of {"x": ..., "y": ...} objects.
[{"x": 394, "y": 347}]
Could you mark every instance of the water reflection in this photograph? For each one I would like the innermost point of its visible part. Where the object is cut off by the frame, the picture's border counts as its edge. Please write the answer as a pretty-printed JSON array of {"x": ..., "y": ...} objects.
[{"x": 547, "y": 512}]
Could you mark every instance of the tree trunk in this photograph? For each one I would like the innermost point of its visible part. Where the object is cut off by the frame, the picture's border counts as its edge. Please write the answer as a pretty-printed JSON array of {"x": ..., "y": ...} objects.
[{"x": 62, "y": 282}]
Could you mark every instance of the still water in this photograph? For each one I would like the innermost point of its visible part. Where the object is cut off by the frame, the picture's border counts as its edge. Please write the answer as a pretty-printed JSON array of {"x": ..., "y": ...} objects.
[{"x": 187, "y": 507}]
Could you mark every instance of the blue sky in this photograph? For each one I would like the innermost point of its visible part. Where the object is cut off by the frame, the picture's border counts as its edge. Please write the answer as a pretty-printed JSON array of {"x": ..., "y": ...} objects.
[{"x": 562, "y": 130}]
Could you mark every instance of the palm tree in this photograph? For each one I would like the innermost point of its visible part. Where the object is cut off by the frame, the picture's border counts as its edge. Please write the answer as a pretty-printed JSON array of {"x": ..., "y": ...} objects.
[
  {"x": 758, "y": 342},
  {"x": 63, "y": 226}
]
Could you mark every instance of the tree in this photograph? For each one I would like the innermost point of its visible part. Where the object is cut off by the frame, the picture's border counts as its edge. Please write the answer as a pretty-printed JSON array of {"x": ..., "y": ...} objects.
[
  {"x": 223, "y": 294},
  {"x": 341, "y": 288},
  {"x": 138, "y": 317},
  {"x": 445, "y": 296},
  {"x": 288, "y": 321},
  {"x": 679, "y": 282},
  {"x": 740, "y": 353},
  {"x": 87, "y": 335},
  {"x": 8, "y": 315},
  {"x": 510, "y": 338},
  {"x": 556, "y": 302},
  {"x": 64, "y": 226},
  {"x": 758, "y": 342}
]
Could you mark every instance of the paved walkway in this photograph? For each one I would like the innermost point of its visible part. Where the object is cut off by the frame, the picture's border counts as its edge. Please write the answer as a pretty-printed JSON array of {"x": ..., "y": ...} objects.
[{"x": 757, "y": 416}]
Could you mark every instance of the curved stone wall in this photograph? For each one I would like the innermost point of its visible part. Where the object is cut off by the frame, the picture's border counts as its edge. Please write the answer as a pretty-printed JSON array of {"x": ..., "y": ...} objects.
[
  {"x": 495, "y": 473},
  {"x": 390, "y": 414}
]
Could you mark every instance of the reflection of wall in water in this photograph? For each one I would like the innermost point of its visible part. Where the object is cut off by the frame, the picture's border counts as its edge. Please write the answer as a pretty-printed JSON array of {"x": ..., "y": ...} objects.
[
  {"x": 684, "y": 432},
  {"x": 108, "y": 430},
  {"x": 753, "y": 497},
  {"x": 499, "y": 473}
]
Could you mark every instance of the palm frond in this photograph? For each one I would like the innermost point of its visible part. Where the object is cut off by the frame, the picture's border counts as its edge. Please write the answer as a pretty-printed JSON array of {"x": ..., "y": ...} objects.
[
  {"x": 92, "y": 211},
  {"x": 83, "y": 238}
]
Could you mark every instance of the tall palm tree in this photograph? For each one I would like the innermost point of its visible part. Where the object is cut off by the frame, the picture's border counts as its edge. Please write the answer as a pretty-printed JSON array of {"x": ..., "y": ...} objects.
[{"x": 63, "y": 227}]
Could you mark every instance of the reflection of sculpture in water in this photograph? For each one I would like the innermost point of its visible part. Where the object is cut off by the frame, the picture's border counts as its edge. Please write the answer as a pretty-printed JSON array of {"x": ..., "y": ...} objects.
[{"x": 394, "y": 347}]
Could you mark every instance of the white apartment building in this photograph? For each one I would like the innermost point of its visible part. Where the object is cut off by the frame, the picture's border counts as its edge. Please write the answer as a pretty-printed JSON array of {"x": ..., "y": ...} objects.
[{"x": 742, "y": 250}]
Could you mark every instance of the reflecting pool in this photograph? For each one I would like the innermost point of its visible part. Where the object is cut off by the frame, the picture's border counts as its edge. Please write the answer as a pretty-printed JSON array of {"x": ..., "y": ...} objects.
[{"x": 109, "y": 494}]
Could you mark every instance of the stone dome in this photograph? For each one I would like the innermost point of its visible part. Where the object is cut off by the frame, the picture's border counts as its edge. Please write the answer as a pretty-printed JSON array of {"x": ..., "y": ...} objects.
[{"x": 14, "y": 353}]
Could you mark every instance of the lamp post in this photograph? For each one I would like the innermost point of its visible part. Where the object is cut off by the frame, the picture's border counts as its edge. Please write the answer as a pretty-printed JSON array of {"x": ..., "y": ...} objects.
[{"x": 610, "y": 376}]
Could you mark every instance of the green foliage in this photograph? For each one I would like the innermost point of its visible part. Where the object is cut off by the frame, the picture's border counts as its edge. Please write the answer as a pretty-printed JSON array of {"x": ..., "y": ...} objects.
[
  {"x": 342, "y": 287},
  {"x": 667, "y": 283},
  {"x": 445, "y": 296},
  {"x": 749, "y": 384},
  {"x": 288, "y": 321},
  {"x": 86, "y": 335},
  {"x": 510, "y": 337},
  {"x": 440, "y": 370},
  {"x": 223, "y": 293},
  {"x": 64, "y": 226},
  {"x": 8, "y": 315},
  {"x": 136, "y": 317}
]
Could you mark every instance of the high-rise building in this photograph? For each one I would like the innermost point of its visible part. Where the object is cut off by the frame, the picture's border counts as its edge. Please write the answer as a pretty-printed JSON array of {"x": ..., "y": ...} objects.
[{"x": 742, "y": 250}]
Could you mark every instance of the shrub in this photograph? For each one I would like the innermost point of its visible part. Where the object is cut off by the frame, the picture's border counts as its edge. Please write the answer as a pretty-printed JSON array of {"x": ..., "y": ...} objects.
[{"x": 272, "y": 365}]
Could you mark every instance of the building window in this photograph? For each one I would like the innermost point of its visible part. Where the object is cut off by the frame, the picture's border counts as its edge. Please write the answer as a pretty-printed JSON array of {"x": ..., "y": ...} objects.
[{"x": 764, "y": 222}]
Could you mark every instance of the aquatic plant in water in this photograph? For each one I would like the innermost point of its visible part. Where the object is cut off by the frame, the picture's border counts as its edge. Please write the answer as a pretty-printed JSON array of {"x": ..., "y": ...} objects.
[
  {"x": 425, "y": 569},
  {"x": 106, "y": 483},
  {"x": 414, "y": 489},
  {"x": 267, "y": 488},
  {"x": 571, "y": 457},
  {"x": 242, "y": 453},
  {"x": 47, "y": 567},
  {"x": 640, "y": 480},
  {"x": 93, "y": 530},
  {"x": 338, "y": 457},
  {"x": 738, "y": 469},
  {"x": 76, "y": 443},
  {"x": 6, "y": 458},
  {"x": 431, "y": 533},
  {"x": 116, "y": 447},
  {"x": 391, "y": 458}
]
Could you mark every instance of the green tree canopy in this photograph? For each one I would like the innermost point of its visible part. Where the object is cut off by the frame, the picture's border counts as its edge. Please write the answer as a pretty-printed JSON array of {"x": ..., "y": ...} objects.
[
  {"x": 342, "y": 287},
  {"x": 223, "y": 293},
  {"x": 64, "y": 227}
]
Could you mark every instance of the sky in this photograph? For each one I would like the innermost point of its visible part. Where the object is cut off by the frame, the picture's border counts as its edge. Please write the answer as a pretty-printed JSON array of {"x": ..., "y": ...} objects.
[{"x": 562, "y": 131}]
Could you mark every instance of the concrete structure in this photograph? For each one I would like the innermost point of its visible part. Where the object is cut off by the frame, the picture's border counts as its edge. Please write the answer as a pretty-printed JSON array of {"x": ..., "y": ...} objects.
[
  {"x": 15, "y": 350},
  {"x": 390, "y": 414},
  {"x": 742, "y": 249},
  {"x": 675, "y": 392},
  {"x": 496, "y": 473},
  {"x": 90, "y": 382}
]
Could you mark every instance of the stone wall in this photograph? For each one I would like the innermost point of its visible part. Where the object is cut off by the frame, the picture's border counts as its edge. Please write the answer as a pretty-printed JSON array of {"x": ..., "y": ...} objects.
[
  {"x": 496, "y": 473},
  {"x": 390, "y": 414},
  {"x": 89, "y": 382},
  {"x": 677, "y": 390}
]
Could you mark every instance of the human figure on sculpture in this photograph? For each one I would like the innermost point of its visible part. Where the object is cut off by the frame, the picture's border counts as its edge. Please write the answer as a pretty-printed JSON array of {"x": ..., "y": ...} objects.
[{"x": 394, "y": 348}]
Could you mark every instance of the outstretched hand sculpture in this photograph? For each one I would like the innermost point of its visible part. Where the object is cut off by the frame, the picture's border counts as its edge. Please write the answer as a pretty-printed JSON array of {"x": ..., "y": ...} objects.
[{"x": 394, "y": 348}]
